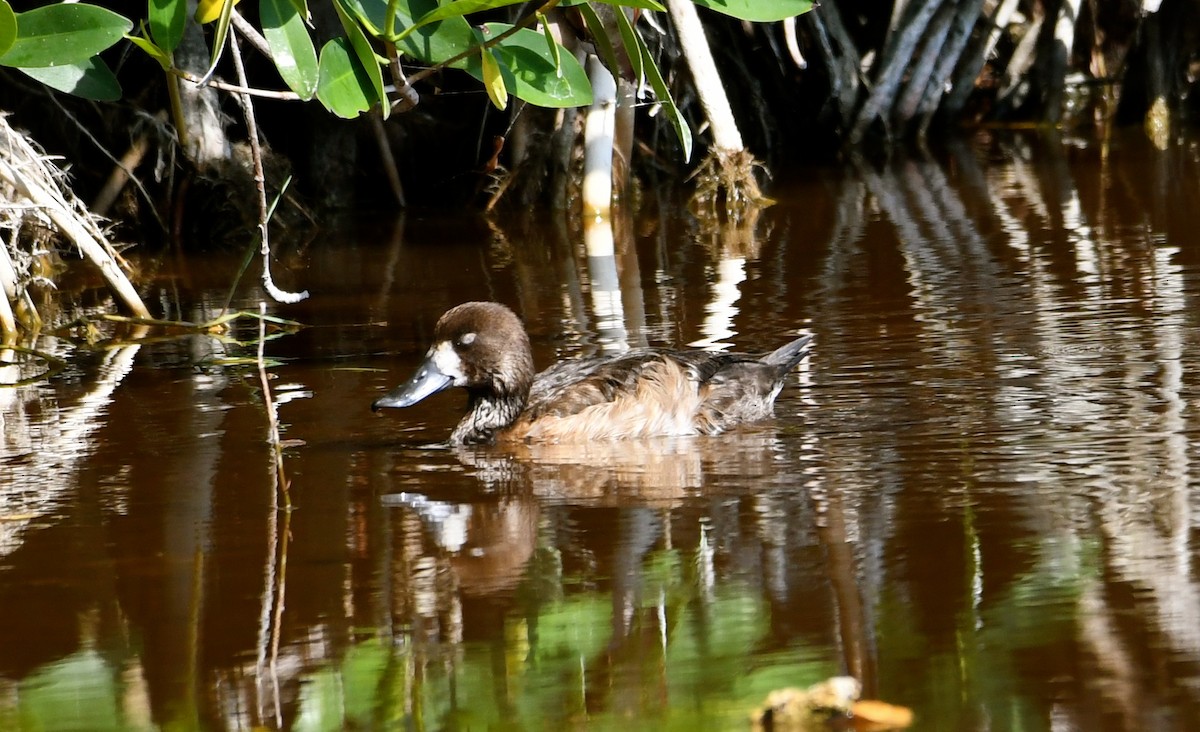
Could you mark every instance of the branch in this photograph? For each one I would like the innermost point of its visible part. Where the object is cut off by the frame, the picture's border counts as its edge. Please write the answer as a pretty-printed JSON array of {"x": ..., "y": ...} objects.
[{"x": 260, "y": 186}]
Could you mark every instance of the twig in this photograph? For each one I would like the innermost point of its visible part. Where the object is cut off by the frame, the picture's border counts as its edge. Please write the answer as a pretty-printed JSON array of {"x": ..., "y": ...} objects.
[
  {"x": 408, "y": 96},
  {"x": 250, "y": 33},
  {"x": 260, "y": 185},
  {"x": 289, "y": 96},
  {"x": 388, "y": 160},
  {"x": 272, "y": 418}
]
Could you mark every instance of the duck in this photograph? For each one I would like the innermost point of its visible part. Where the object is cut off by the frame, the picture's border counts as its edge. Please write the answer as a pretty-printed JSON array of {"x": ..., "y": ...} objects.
[{"x": 483, "y": 347}]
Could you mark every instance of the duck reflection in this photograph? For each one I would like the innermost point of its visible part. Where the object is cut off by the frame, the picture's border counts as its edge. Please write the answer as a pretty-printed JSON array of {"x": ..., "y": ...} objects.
[{"x": 658, "y": 472}]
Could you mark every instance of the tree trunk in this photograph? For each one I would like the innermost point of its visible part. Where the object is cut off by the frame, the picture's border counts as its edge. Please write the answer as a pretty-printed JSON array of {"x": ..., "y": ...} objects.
[
  {"x": 726, "y": 137},
  {"x": 1015, "y": 87},
  {"x": 598, "y": 131},
  {"x": 1058, "y": 40},
  {"x": 201, "y": 129},
  {"x": 893, "y": 64},
  {"x": 840, "y": 55},
  {"x": 960, "y": 33},
  {"x": 972, "y": 62},
  {"x": 920, "y": 71}
]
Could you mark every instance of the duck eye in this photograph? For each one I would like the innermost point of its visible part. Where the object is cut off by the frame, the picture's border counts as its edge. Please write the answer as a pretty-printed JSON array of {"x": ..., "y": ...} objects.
[{"x": 465, "y": 339}]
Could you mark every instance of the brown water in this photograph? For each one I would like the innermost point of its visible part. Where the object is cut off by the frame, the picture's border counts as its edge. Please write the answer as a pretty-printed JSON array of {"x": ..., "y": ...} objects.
[{"x": 977, "y": 495}]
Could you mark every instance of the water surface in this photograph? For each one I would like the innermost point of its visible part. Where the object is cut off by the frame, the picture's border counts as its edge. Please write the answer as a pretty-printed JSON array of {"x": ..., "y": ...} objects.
[{"x": 976, "y": 495}]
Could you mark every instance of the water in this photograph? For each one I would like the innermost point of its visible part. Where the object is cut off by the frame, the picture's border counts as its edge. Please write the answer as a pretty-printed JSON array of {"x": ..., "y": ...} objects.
[{"x": 977, "y": 496}]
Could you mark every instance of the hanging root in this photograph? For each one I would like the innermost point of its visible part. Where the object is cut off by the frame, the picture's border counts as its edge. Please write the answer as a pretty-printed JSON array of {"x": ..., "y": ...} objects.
[{"x": 726, "y": 187}]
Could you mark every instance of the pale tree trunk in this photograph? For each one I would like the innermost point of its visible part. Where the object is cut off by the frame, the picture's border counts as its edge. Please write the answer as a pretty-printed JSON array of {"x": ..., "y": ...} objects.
[
  {"x": 725, "y": 181},
  {"x": 1013, "y": 89},
  {"x": 623, "y": 139},
  {"x": 726, "y": 137},
  {"x": 598, "y": 131}
]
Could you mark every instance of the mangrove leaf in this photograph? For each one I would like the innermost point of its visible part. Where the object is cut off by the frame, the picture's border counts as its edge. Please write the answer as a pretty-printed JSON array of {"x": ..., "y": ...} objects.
[
  {"x": 8, "y": 27},
  {"x": 456, "y": 9},
  {"x": 759, "y": 11},
  {"x": 90, "y": 79},
  {"x": 209, "y": 10},
  {"x": 432, "y": 43},
  {"x": 366, "y": 55},
  {"x": 166, "y": 19},
  {"x": 56, "y": 35},
  {"x": 152, "y": 49},
  {"x": 630, "y": 41},
  {"x": 493, "y": 80},
  {"x": 291, "y": 47},
  {"x": 220, "y": 33},
  {"x": 641, "y": 4},
  {"x": 535, "y": 78},
  {"x": 343, "y": 87},
  {"x": 659, "y": 85},
  {"x": 600, "y": 39}
]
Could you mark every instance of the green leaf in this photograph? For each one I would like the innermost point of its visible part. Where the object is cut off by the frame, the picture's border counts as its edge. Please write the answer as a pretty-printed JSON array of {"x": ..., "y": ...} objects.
[
  {"x": 151, "y": 48},
  {"x": 630, "y": 41},
  {"x": 291, "y": 47},
  {"x": 493, "y": 80},
  {"x": 654, "y": 76},
  {"x": 759, "y": 11},
  {"x": 55, "y": 35},
  {"x": 343, "y": 85},
  {"x": 166, "y": 22},
  {"x": 220, "y": 33},
  {"x": 604, "y": 46},
  {"x": 455, "y": 9},
  {"x": 551, "y": 44},
  {"x": 643, "y": 4},
  {"x": 535, "y": 78},
  {"x": 301, "y": 7},
  {"x": 8, "y": 27},
  {"x": 91, "y": 79},
  {"x": 366, "y": 55},
  {"x": 432, "y": 43}
]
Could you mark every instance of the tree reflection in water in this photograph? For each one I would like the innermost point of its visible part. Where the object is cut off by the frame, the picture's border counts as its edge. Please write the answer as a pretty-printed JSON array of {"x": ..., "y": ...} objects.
[{"x": 975, "y": 496}]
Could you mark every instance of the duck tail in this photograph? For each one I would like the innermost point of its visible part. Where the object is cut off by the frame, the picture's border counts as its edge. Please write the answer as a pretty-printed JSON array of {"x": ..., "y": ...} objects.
[{"x": 787, "y": 356}]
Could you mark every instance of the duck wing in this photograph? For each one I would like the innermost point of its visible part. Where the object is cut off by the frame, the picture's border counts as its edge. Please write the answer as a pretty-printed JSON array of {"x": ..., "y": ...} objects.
[
  {"x": 653, "y": 374},
  {"x": 654, "y": 392},
  {"x": 569, "y": 387}
]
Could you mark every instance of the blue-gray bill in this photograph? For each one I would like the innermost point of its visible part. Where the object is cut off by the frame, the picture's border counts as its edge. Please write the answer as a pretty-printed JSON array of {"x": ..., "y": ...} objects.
[{"x": 427, "y": 381}]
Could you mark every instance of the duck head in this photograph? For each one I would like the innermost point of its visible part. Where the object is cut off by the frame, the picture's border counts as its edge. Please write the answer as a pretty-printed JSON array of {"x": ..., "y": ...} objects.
[{"x": 483, "y": 348}]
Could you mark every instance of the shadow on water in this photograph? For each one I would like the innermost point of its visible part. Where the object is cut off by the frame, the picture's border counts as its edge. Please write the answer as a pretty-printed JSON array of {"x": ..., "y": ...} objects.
[{"x": 976, "y": 495}]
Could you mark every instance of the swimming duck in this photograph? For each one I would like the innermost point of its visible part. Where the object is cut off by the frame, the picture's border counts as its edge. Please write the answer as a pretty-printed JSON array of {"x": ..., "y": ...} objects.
[{"x": 648, "y": 392}]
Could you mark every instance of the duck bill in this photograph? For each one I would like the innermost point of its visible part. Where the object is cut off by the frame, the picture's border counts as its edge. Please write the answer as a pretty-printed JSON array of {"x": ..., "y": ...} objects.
[{"x": 428, "y": 380}]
